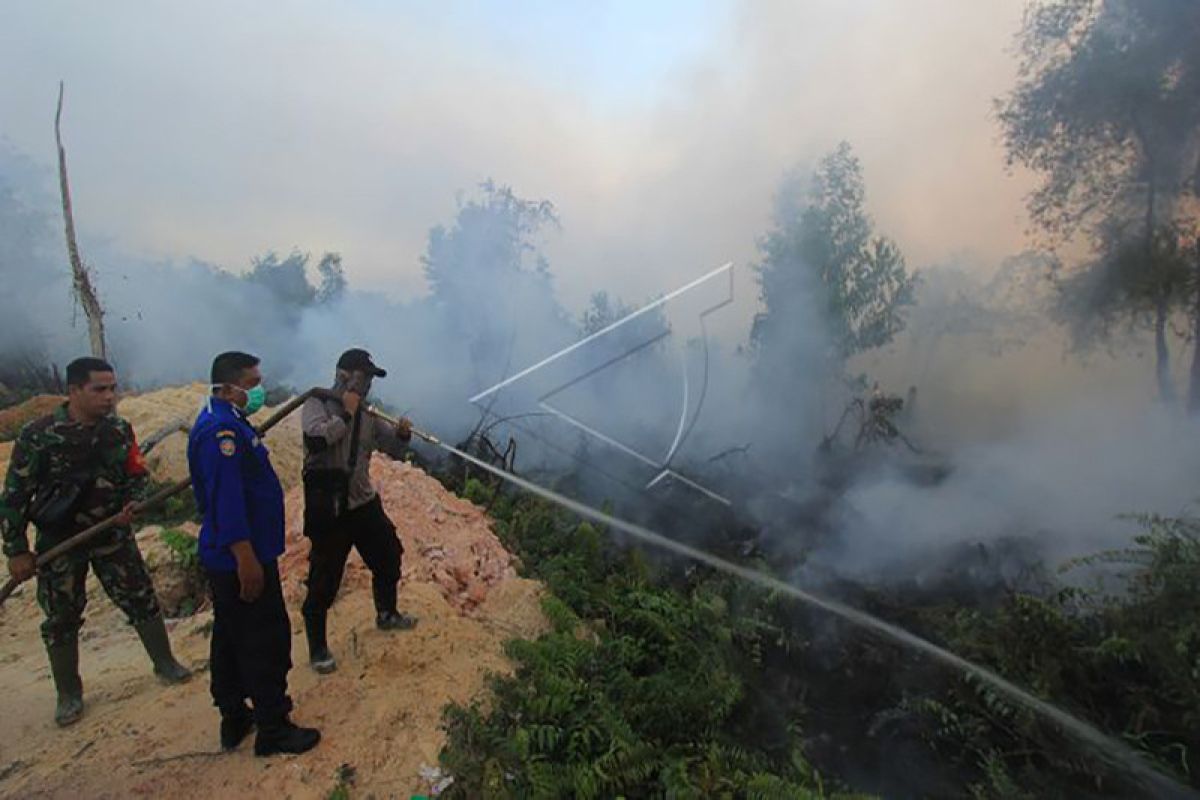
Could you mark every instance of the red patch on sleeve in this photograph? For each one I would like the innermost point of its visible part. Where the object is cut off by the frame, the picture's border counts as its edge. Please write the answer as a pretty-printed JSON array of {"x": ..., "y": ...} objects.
[{"x": 135, "y": 465}]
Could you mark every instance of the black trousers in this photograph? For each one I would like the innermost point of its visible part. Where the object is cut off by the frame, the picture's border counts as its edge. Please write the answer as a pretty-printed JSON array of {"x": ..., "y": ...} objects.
[
  {"x": 251, "y": 647},
  {"x": 367, "y": 529}
]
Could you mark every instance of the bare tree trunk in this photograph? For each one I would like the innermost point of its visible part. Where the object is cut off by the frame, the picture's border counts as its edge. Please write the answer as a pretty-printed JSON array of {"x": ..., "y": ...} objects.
[
  {"x": 1193, "y": 406},
  {"x": 1162, "y": 356},
  {"x": 84, "y": 291}
]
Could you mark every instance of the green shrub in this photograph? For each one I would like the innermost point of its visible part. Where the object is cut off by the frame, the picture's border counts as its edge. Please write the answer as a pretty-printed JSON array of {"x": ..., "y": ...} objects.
[
  {"x": 183, "y": 546},
  {"x": 177, "y": 509},
  {"x": 636, "y": 691},
  {"x": 1125, "y": 656}
]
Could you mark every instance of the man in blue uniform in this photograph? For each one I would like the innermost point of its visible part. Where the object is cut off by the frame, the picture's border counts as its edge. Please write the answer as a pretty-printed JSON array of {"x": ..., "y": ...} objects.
[{"x": 241, "y": 537}]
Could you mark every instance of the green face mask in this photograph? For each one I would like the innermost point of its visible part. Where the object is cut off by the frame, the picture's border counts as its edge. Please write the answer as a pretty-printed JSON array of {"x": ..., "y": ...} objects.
[{"x": 255, "y": 398}]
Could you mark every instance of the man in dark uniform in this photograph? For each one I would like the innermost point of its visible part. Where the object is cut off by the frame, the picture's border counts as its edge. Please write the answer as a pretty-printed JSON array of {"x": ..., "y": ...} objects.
[
  {"x": 341, "y": 507},
  {"x": 241, "y": 537},
  {"x": 69, "y": 470}
]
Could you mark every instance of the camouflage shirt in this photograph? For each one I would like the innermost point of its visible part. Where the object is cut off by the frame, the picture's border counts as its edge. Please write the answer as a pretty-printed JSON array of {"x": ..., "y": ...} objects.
[{"x": 55, "y": 447}]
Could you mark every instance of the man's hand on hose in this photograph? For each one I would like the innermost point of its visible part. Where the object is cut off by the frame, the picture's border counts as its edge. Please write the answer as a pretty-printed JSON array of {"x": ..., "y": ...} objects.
[
  {"x": 404, "y": 428},
  {"x": 22, "y": 567},
  {"x": 249, "y": 572},
  {"x": 351, "y": 401}
]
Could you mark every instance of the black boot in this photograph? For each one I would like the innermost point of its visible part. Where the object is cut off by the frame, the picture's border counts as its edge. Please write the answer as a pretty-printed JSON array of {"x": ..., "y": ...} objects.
[
  {"x": 64, "y": 668},
  {"x": 394, "y": 621},
  {"x": 387, "y": 618},
  {"x": 319, "y": 657},
  {"x": 284, "y": 737},
  {"x": 153, "y": 633},
  {"x": 235, "y": 727}
]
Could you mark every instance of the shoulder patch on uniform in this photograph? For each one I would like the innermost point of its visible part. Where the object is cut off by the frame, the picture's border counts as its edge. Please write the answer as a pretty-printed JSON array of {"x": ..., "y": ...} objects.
[
  {"x": 228, "y": 447},
  {"x": 226, "y": 433}
]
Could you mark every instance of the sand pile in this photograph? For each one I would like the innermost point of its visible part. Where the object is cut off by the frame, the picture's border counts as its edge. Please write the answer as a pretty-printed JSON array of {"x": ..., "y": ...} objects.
[
  {"x": 150, "y": 412},
  {"x": 448, "y": 541},
  {"x": 14, "y": 418}
]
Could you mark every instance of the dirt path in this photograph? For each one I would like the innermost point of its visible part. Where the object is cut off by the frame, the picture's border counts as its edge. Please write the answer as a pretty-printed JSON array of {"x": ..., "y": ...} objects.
[{"x": 379, "y": 714}]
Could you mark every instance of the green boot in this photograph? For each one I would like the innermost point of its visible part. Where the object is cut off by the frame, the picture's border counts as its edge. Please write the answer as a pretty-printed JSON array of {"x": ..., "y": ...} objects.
[
  {"x": 64, "y": 667},
  {"x": 153, "y": 633}
]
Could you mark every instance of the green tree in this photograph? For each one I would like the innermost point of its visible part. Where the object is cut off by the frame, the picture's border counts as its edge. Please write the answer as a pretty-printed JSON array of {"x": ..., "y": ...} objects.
[
  {"x": 333, "y": 279},
  {"x": 1133, "y": 285},
  {"x": 602, "y": 311},
  {"x": 1107, "y": 110},
  {"x": 823, "y": 257},
  {"x": 491, "y": 241},
  {"x": 489, "y": 281},
  {"x": 287, "y": 279}
]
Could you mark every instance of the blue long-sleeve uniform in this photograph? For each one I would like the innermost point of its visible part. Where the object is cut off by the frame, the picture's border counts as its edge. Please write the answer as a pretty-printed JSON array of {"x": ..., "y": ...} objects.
[{"x": 236, "y": 488}]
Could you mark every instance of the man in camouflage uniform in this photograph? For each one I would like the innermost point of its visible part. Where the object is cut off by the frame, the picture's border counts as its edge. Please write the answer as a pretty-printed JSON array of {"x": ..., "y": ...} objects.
[{"x": 69, "y": 470}]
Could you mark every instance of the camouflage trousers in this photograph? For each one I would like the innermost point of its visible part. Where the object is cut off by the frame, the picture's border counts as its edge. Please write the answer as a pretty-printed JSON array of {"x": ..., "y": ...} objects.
[{"x": 118, "y": 564}]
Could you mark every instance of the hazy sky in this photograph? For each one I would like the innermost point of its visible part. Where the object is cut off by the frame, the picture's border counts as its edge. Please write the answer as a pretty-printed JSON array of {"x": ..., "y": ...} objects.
[{"x": 659, "y": 129}]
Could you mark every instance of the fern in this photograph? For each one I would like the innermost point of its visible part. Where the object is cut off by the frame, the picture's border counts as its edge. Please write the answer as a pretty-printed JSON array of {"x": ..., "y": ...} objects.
[{"x": 633, "y": 692}]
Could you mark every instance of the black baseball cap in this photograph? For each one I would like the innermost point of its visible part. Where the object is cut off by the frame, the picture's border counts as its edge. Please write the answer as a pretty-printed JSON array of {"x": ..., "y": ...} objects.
[{"x": 356, "y": 360}]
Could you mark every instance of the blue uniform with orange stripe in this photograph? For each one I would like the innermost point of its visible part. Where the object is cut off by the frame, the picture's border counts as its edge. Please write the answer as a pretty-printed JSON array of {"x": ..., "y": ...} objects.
[{"x": 237, "y": 491}]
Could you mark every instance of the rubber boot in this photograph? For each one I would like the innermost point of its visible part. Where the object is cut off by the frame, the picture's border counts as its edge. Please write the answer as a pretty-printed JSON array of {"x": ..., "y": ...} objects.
[
  {"x": 64, "y": 668},
  {"x": 235, "y": 727},
  {"x": 284, "y": 737},
  {"x": 394, "y": 621},
  {"x": 319, "y": 657},
  {"x": 153, "y": 633},
  {"x": 387, "y": 618}
]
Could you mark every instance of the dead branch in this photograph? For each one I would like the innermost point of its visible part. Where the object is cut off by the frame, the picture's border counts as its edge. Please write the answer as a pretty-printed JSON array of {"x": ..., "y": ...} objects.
[
  {"x": 85, "y": 293},
  {"x": 732, "y": 451},
  {"x": 177, "y": 425}
]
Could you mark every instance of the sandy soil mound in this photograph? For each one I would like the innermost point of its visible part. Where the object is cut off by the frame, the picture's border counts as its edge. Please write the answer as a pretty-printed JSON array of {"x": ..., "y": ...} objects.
[
  {"x": 448, "y": 541},
  {"x": 379, "y": 714},
  {"x": 153, "y": 411},
  {"x": 14, "y": 418}
]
